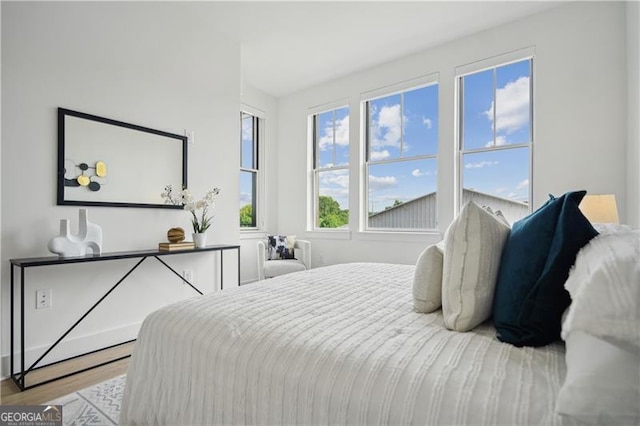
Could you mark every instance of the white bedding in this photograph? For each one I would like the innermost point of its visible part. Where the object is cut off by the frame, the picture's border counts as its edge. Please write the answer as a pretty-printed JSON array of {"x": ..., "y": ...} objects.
[{"x": 333, "y": 345}]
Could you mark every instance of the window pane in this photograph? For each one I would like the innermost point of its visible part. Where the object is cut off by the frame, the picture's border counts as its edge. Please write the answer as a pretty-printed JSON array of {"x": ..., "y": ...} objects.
[
  {"x": 324, "y": 138},
  {"x": 513, "y": 103},
  {"x": 420, "y": 122},
  {"x": 477, "y": 110},
  {"x": 333, "y": 199},
  {"x": 332, "y": 138},
  {"x": 498, "y": 179},
  {"x": 342, "y": 137},
  {"x": 246, "y": 155},
  {"x": 385, "y": 128},
  {"x": 248, "y": 199},
  {"x": 403, "y": 194}
]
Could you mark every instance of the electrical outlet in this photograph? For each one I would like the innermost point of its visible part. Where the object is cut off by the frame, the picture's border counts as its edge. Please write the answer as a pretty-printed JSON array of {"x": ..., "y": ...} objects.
[
  {"x": 187, "y": 274},
  {"x": 43, "y": 298}
]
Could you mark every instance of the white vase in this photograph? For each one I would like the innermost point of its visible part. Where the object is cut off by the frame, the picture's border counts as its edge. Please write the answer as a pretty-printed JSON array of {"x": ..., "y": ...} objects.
[
  {"x": 69, "y": 245},
  {"x": 200, "y": 239}
]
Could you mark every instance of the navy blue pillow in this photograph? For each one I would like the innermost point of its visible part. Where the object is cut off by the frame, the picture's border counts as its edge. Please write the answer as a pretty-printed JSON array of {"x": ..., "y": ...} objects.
[{"x": 530, "y": 296}]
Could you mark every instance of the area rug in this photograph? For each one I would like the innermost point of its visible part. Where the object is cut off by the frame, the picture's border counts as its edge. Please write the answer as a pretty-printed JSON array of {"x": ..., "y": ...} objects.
[{"x": 96, "y": 405}]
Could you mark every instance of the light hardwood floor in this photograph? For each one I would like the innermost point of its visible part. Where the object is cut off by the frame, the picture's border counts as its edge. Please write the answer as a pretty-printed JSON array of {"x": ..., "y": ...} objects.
[{"x": 11, "y": 395}]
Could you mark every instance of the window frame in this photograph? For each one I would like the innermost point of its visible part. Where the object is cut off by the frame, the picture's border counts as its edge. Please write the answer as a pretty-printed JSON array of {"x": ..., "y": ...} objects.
[
  {"x": 256, "y": 170},
  {"x": 475, "y": 68},
  {"x": 314, "y": 217},
  {"x": 383, "y": 92}
]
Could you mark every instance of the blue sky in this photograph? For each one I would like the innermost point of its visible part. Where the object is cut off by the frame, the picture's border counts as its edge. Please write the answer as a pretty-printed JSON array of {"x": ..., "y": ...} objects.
[
  {"x": 502, "y": 173},
  {"x": 405, "y": 126}
]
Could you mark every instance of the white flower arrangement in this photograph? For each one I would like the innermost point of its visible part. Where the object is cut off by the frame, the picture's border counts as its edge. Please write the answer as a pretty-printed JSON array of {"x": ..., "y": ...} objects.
[{"x": 200, "y": 221}]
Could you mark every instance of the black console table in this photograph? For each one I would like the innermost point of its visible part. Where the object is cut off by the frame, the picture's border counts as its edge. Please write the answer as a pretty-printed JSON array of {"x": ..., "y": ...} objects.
[{"x": 19, "y": 377}]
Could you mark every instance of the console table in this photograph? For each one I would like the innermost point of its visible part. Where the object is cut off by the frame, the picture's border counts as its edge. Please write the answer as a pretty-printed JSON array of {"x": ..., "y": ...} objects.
[{"x": 19, "y": 377}]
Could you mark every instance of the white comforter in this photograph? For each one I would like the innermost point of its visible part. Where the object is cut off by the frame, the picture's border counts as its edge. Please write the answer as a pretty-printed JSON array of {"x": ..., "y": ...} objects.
[{"x": 333, "y": 345}]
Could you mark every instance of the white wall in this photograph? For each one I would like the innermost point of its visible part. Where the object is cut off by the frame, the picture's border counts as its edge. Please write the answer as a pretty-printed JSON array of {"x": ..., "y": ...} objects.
[
  {"x": 1, "y": 310},
  {"x": 633, "y": 113},
  {"x": 266, "y": 107},
  {"x": 579, "y": 106},
  {"x": 152, "y": 64}
]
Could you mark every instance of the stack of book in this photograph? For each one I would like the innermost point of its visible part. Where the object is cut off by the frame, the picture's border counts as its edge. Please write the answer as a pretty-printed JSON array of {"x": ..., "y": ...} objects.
[{"x": 184, "y": 245}]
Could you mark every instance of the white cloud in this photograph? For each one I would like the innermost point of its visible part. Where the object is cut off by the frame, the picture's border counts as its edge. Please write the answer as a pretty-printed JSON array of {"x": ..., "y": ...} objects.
[
  {"x": 523, "y": 184},
  {"x": 418, "y": 173},
  {"x": 247, "y": 129},
  {"x": 500, "y": 140},
  {"x": 335, "y": 184},
  {"x": 341, "y": 137},
  {"x": 245, "y": 198},
  {"x": 379, "y": 155},
  {"x": 386, "y": 131},
  {"x": 382, "y": 182},
  {"x": 335, "y": 192},
  {"x": 499, "y": 190},
  {"x": 427, "y": 122},
  {"x": 512, "y": 110},
  {"x": 338, "y": 178},
  {"x": 481, "y": 164},
  {"x": 512, "y": 195}
]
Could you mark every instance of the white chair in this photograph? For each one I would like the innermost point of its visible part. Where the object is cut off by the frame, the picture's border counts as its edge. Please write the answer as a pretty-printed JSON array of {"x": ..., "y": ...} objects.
[{"x": 273, "y": 268}]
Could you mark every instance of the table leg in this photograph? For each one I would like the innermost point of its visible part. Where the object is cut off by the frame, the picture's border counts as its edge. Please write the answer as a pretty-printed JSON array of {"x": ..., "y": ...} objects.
[
  {"x": 238, "y": 266},
  {"x": 12, "y": 324},
  {"x": 22, "y": 378}
]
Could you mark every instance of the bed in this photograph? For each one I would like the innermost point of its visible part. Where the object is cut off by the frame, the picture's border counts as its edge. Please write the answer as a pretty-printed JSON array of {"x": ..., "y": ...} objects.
[
  {"x": 334, "y": 345},
  {"x": 372, "y": 343}
]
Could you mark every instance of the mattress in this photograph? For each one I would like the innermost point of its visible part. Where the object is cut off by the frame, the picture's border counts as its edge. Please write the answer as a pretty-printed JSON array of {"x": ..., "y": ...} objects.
[{"x": 333, "y": 345}]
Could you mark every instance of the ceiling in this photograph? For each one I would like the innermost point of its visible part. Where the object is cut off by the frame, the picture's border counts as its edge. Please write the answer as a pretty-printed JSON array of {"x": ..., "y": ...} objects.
[{"x": 289, "y": 46}]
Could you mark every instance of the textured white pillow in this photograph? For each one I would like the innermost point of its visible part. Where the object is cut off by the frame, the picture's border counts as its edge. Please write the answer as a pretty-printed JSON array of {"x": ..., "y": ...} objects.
[
  {"x": 604, "y": 285},
  {"x": 603, "y": 382},
  {"x": 602, "y": 331},
  {"x": 610, "y": 228},
  {"x": 427, "y": 280},
  {"x": 473, "y": 247}
]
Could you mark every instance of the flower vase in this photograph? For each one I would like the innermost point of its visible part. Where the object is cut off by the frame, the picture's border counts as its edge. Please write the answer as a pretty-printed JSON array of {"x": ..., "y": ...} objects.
[{"x": 200, "y": 239}]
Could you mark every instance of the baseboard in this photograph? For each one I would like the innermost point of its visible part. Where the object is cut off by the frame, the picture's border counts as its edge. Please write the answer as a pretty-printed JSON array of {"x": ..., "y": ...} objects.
[{"x": 73, "y": 346}]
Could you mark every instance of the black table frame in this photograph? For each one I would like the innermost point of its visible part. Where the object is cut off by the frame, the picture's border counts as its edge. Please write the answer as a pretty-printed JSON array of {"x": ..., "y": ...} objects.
[{"x": 20, "y": 378}]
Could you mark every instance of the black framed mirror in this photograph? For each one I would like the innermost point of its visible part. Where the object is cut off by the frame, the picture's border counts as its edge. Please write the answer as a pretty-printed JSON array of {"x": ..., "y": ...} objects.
[{"x": 105, "y": 162}]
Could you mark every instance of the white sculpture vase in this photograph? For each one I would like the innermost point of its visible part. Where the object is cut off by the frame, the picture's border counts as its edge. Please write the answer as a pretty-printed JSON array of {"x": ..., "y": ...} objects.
[{"x": 89, "y": 237}]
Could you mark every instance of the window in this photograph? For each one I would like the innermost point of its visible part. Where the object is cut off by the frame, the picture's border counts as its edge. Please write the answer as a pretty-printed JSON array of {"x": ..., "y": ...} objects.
[
  {"x": 496, "y": 137},
  {"x": 249, "y": 170},
  {"x": 401, "y": 159},
  {"x": 331, "y": 168}
]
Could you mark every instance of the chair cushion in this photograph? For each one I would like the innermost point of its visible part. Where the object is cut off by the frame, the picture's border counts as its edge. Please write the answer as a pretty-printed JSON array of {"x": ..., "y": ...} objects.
[{"x": 273, "y": 268}]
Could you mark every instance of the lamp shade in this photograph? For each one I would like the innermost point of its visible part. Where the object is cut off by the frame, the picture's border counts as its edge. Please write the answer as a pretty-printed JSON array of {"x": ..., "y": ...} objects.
[{"x": 600, "y": 208}]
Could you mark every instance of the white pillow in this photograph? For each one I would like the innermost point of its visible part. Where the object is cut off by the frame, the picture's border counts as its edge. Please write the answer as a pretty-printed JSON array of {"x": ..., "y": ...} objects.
[
  {"x": 603, "y": 381},
  {"x": 473, "y": 247},
  {"x": 610, "y": 228},
  {"x": 604, "y": 285},
  {"x": 498, "y": 214},
  {"x": 427, "y": 280}
]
